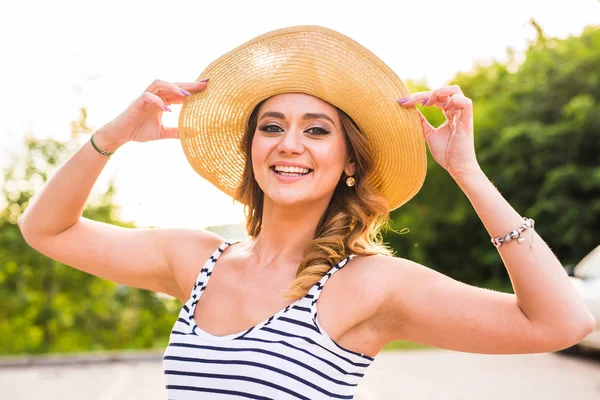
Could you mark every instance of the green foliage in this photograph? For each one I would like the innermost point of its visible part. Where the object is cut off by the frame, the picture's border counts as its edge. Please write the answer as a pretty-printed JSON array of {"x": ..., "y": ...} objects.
[
  {"x": 537, "y": 125},
  {"x": 50, "y": 307},
  {"x": 405, "y": 345}
]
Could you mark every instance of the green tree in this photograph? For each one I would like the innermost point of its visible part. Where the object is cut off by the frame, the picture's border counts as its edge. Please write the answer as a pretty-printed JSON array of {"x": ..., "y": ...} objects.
[
  {"x": 50, "y": 307},
  {"x": 536, "y": 131}
]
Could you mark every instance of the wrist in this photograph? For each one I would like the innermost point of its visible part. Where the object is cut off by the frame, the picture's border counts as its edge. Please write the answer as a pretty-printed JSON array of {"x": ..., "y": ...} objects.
[
  {"x": 104, "y": 142},
  {"x": 468, "y": 173}
]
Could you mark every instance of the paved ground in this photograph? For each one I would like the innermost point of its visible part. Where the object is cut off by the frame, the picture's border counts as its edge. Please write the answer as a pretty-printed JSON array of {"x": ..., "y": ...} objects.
[{"x": 415, "y": 375}]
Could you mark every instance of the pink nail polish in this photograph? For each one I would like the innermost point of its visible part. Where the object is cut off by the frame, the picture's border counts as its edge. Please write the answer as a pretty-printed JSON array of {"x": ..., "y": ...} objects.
[{"x": 425, "y": 101}]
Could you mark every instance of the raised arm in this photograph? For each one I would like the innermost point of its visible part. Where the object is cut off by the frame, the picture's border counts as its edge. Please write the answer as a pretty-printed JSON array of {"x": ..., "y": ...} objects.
[
  {"x": 53, "y": 222},
  {"x": 545, "y": 314}
]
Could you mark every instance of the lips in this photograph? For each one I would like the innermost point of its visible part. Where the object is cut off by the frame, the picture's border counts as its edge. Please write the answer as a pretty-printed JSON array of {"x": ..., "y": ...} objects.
[
  {"x": 278, "y": 172},
  {"x": 284, "y": 178}
]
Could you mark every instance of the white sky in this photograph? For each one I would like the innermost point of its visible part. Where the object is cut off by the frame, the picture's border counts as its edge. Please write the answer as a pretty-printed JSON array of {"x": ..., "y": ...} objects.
[{"x": 61, "y": 55}]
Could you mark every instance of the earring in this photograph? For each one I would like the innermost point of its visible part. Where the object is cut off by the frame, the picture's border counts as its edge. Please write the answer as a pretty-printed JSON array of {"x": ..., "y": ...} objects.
[{"x": 350, "y": 181}]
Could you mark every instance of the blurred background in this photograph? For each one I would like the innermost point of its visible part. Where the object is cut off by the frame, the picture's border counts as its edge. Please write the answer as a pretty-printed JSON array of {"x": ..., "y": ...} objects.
[{"x": 532, "y": 69}]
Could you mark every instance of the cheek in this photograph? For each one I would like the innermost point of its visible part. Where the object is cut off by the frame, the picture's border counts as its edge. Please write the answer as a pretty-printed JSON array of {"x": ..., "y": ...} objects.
[
  {"x": 260, "y": 154},
  {"x": 255, "y": 151},
  {"x": 330, "y": 164}
]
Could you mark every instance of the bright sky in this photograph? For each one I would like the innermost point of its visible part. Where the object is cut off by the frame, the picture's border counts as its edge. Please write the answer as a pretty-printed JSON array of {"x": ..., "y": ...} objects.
[{"x": 61, "y": 55}]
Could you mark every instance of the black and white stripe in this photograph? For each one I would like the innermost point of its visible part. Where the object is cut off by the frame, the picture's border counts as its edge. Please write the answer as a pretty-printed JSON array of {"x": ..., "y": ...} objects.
[{"x": 287, "y": 356}]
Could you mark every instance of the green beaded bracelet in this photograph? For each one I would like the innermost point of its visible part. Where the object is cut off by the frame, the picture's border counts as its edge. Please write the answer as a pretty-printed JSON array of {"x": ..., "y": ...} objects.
[{"x": 103, "y": 152}]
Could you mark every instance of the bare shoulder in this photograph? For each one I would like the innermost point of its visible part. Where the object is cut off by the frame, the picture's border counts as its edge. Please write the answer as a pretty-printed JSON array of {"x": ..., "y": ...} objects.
[
  {"x": 188, "y": 253},
  {"x": 363, "y": 277},
  {"x": 378, "y": 276},
  {"x": 366, "y": 270},
  {"x": 392, "y": 280},
  {"x": 357, "y": 287},
  {"x": 371, "y": 273},
  {"x": 350, "y": 306}
]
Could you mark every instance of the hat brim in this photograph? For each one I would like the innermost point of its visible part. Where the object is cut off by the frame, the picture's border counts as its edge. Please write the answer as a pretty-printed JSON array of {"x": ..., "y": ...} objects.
[{"x": 319, "y": 62}]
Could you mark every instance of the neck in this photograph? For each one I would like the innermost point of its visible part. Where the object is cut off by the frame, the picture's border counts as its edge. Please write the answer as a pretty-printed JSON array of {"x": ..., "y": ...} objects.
[{"x": 285, "y": 232}]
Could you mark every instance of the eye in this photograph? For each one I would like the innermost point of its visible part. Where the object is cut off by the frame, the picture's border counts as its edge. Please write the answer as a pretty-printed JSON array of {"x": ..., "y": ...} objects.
[
  {"x": 267, "y": 128},
  {"x": 318, "y": 131}
]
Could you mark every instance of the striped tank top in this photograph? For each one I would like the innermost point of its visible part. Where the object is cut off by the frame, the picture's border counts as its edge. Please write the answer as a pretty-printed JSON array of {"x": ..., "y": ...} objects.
[{"x": 287, "y": 356}]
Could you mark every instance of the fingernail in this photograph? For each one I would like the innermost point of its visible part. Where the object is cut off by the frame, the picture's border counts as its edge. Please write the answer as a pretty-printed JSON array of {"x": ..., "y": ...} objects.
[
  {"x": 166, "y": 108},
  {"x": 185, "y": 92},
  {"x": 203, "y": 80},
  {"x": 444, "y": 105},
  {"x": 403, "y": 100},
  {"x": 425, "y": 101}
]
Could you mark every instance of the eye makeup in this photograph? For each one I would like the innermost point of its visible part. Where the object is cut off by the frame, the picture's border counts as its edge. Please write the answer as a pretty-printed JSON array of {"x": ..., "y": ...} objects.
[{"x": 317, "y": 130}]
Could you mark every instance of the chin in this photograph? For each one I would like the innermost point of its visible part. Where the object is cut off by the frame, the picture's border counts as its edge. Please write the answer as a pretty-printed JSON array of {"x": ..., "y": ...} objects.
[{"x": 289, "y": 199}]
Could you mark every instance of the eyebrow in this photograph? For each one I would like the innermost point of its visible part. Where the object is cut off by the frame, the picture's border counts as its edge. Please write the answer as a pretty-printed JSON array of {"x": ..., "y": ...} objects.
[{"x": 276, "y": 114}]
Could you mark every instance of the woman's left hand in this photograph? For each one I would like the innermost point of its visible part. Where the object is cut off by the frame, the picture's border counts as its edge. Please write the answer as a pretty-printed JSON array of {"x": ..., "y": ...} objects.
[{"x": 451, "y": 144}]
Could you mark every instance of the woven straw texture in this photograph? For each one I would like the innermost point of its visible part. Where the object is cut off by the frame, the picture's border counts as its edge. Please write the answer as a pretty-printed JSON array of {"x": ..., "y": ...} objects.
[{"x": 319, "y": 62}]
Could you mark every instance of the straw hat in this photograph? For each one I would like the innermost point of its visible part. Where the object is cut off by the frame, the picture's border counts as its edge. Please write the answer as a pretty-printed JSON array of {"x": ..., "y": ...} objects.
[{"x": 319, "y": 62}]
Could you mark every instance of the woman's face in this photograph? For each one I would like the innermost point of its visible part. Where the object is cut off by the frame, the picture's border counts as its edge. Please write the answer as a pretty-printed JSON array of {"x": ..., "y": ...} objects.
[{"x": 296, "y": 128}]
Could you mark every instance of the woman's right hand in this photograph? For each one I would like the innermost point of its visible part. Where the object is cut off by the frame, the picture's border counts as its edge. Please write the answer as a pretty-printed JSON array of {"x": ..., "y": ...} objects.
[{"x": 142, "y": 120}]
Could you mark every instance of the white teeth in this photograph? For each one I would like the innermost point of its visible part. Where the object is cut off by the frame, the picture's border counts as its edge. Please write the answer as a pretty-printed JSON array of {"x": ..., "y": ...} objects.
[{"x": 297, "y": 170}]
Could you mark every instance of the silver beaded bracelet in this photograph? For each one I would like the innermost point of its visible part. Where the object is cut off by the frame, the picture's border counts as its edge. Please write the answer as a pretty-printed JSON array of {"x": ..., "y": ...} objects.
[{"x": 515, "y": 234}]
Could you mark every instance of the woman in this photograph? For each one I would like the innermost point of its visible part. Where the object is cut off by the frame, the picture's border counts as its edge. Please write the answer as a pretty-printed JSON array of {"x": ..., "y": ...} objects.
[{"x": 320, "y": 140}]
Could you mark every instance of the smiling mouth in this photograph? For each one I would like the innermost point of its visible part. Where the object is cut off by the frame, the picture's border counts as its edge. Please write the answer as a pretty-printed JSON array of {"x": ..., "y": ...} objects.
[{"x": 290, "y": 173}]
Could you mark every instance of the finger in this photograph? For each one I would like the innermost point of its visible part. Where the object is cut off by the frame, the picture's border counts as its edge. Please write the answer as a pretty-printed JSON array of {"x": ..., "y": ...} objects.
[
  {"x": 427, "y": 127},
  {"x": 442, "y": 94},
  {"x": 185, "y": 89},
  {"x": 148, "y": 98},
  {"x": 431, "y": 97},
  {"x": 175, "y": 93},
  {"x": 193, "y": 87},
  {"x": 160, "y": 88},
  {"x": 462, "y": 103},
  {"x": 414, "y": 98},
  {"x": 170, "y": 133}
]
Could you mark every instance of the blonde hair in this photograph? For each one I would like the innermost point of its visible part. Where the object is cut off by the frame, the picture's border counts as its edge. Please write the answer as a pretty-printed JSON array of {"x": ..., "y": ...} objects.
[{"x": 351, "y": 224}]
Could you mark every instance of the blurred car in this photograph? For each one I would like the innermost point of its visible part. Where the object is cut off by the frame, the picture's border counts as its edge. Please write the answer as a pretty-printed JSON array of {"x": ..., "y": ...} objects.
[{"x": 585, "y": 276}]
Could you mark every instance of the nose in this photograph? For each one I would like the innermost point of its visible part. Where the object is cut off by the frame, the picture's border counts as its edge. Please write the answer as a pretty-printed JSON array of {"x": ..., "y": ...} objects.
[{"x": 291, "y": 141}]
